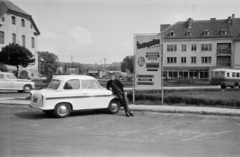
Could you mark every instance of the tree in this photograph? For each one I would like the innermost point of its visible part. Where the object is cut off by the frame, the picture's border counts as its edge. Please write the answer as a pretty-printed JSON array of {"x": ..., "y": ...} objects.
[
  {"x": 48, "y": 63},
  {"x": 16, "y": 55},
  {"x": 127, "y": 64}
]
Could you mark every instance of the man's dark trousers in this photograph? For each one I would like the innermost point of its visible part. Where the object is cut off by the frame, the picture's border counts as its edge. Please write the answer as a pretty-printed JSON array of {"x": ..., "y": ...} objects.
[{"x": 123, "y": 100}]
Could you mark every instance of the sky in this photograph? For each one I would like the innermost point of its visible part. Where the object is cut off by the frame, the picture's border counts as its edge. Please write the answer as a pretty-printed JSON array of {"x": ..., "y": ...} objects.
[{"x": 87, "y": 31}]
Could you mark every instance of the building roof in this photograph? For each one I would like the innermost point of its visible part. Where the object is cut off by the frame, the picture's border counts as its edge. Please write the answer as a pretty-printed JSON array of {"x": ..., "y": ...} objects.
[
  {"x": 196, "y": 28},
  {"x": 8, "y": 7}
]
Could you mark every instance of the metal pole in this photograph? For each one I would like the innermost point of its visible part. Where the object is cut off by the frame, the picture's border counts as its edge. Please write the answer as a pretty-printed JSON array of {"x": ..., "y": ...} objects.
[
  {"x": 162, "y": 38},
  {"x": 134, "y": 69}
]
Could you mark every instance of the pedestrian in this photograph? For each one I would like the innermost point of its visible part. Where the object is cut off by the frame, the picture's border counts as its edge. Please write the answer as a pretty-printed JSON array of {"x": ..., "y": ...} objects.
[{"x": 119, "y": 89}]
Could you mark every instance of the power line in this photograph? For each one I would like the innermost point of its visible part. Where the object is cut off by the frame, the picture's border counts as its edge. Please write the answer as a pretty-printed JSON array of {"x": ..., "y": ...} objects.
[{"x": 95, "y": 55}]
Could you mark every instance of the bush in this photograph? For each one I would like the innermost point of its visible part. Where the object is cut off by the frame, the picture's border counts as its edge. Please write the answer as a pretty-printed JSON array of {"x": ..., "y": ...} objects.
[{"x": 184, "y": 96}]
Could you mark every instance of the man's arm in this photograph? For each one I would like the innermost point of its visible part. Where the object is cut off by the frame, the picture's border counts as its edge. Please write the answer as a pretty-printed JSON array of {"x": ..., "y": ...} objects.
[{"x": 108, "y": 85}]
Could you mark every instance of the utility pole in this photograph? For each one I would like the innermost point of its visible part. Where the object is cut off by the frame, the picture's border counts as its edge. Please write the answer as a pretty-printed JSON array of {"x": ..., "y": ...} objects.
[{"x": 105, "y": 64}]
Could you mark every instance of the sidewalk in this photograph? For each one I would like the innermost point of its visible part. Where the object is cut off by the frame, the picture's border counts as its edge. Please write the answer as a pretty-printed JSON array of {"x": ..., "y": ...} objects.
[{"x": 155, "y": 108}]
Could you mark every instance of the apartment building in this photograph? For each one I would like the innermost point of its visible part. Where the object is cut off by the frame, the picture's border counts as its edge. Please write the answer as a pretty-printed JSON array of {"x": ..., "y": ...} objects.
[
  {"x": 192, "y": 48},
  {"x": 17, "y": 26}
]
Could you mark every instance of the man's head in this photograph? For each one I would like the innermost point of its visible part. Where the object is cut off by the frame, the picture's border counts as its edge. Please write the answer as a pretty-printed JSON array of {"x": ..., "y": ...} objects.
[{"x": 112, "y": 75}]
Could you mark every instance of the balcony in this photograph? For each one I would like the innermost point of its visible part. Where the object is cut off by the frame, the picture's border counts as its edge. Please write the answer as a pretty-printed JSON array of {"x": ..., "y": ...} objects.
[
  {"x": 224, "y": 64},
  {"x": 224, "y": 51}
]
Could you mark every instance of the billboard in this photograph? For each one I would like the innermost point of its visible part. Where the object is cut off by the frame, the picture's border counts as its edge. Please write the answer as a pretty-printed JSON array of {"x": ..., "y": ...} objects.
[
  {"x": 72, "y": 71},
  {"x": 148, "y": 61}
]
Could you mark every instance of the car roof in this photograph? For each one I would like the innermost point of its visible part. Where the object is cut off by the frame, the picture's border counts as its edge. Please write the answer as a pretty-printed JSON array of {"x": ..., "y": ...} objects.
[
  {"x": 5, "y": 72},
  {"x": 67, "y": 77}
]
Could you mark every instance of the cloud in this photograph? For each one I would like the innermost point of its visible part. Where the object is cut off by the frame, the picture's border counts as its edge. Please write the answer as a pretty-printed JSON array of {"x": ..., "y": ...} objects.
[
  {"x": 80, "y": 37},
  {"x": 62, "y": 41}
]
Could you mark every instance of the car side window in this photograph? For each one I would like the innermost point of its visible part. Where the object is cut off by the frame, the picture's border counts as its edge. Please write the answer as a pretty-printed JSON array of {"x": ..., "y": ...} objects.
[
  {"x": 1, "y": 76},
  {"x": 72, "y": 84},
  {"x": 11, "y": 76},
  {"x": 89, "y": 84}
]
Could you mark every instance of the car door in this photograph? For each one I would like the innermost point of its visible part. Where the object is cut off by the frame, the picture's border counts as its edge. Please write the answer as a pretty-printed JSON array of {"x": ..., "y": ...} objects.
[
  {"x": 93, "y": 95},
  {"x": 2, "y": 82},
  {"x": 11, "y": 81},
  {"x": 72, "y": 93}
]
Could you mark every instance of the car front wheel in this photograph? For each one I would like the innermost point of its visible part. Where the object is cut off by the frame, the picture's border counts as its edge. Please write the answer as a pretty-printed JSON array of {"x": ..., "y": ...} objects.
[
  {"x": 62, "y": 110},
  {"x": 114, "y": 106},
  {"x": 27, "y": 88}
]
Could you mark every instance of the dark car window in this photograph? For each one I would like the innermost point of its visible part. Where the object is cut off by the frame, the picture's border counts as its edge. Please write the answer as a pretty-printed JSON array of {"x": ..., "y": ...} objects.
[{"x": 72, "y": 84}]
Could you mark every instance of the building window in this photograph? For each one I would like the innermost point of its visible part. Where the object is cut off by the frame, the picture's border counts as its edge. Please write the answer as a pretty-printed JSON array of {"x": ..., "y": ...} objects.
[
  {"x": 171, "y": 34},
  {"x": 3, "y": 19},
  {"x": 193, "y": 60},
  {"x": 183, "y": 59},
  {"x": 205, "y": 32},
  {"x": 14, "y": 38},
  {"x": 171, "y": 59},
  {"x": 31, "y": 26},
  {"x": 233, "y": 74},
  {"x": 189, "y": 33},
  {"x": 1, "y": 37},
  {"x": 23, "y": 22},
  {"x": 206, "y": 47},
  {"x": 171, "y": 47},
  {"x": 33, "y": 42},
  {"x": 223, "y": 32},
  {"x": 206, "y": 59},
  {"x": 194, "y": 47},
  {"x": 184, "y": 47},
  {"x": 23, "y": 40},
  {"x": 238, "y": 74},
  {"x": 13, "y": 20}
]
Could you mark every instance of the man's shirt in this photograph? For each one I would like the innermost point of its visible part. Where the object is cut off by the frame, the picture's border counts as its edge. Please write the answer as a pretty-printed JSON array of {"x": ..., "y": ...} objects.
[{"x": 116, "y": 85}]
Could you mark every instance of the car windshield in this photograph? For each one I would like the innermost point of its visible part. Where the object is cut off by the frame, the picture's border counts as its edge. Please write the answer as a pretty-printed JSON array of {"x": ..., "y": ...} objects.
[
  {"x": 11, "y": 76},
  {"x": 54, "y": 84}
]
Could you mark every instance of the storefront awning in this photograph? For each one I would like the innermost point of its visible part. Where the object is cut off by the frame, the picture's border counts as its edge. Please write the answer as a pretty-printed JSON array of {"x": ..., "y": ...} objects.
[{"x": 186, "y": 68}]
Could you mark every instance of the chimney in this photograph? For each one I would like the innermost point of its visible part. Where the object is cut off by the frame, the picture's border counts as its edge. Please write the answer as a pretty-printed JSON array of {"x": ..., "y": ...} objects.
[
  {"x": 189, "y": 20},
  {"x": 229, "y": 19},
  {"x": 164, "y": 26},
  {"x": 233, "y": 19}
]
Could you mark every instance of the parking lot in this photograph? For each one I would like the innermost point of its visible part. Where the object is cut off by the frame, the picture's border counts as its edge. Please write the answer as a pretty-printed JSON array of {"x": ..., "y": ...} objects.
[{"x": 29, "y": 132}]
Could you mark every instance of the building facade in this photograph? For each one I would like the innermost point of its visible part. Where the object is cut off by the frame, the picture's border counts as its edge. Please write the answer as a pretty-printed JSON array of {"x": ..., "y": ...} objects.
[
  {"x": 192, "y": 49},
  {"x": 17, "y": 26}
]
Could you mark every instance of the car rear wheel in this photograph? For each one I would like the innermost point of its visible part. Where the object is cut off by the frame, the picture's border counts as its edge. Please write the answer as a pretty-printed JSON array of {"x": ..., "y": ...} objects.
[
  {"x": 27, "y": 88},
  {"x": 223, "y": 87},
  {"x": 48, "y": 112},
  {"x": 114, "y": 106},
  {"x": 62, "y": 110}
]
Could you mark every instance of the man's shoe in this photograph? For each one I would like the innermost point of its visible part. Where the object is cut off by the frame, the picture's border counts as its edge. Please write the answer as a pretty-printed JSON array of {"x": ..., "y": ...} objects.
[
  {"x": 127, "y": 115},
  {"x": 131, "y": 114}
]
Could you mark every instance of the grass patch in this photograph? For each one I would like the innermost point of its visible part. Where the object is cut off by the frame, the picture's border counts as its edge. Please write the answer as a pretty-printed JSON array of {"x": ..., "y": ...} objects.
[{"x": 213, "y": 97}]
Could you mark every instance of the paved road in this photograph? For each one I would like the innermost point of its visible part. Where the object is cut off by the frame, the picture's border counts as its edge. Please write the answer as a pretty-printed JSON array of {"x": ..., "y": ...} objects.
[
  {"x": 12, "y": 94},
  {"x": 29, "y": 132}
]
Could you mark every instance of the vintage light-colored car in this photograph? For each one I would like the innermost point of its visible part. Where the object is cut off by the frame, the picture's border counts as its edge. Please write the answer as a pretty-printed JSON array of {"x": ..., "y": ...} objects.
[
  {"x": 66, "y": 93},
  {"x": 8, "y": 81}
]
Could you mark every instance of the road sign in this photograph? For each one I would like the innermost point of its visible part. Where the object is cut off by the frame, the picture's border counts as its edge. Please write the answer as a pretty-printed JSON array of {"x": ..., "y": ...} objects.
[{"x": 147, "y": 52}]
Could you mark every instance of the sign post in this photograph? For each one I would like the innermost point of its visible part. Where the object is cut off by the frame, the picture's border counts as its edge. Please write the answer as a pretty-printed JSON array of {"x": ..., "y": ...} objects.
[{"x": 148, "y": 62}]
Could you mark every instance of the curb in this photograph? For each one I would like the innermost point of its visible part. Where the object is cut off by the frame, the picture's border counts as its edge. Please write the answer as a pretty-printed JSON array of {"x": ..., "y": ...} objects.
[
  {"x": 163, "y": 109},
  {"x": 186, "y": 112}
]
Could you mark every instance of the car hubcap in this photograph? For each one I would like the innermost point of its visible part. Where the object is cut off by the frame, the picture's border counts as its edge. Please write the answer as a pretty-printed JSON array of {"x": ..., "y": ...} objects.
[
  {"x": 62, "y": 110},
  {"x": 27, "y": 89},
  {"x": 114, "y": 106}
]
